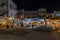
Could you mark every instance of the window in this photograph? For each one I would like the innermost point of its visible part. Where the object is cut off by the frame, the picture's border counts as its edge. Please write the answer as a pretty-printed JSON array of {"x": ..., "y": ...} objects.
[
  {"x": 43, "y": 11},
  {"x": 11, "y": 14},
  {"x": 10, "y": 6},
  {"x": 2, "y": 4},
  {"x": 39, "y": 11},
  {"x": 14, "y": 8},
  {"x": 3, "y": 13}
]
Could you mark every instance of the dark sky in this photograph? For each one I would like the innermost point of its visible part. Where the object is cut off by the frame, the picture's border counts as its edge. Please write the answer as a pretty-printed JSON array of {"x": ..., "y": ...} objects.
[{"x": 51, "y": 5}]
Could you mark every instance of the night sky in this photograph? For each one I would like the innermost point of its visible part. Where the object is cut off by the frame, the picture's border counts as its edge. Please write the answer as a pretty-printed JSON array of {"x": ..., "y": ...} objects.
[{"x": 51, "y": 5}]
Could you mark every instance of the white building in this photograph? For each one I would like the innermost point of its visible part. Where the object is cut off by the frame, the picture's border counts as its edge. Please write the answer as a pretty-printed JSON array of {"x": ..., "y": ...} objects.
[{"x": 8, "y": 8}]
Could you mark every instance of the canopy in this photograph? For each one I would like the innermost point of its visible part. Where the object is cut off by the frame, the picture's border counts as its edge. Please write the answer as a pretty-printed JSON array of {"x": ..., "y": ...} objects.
[
  {"x": 34, "y": 19},
  {"x": 37, "y": 19}
]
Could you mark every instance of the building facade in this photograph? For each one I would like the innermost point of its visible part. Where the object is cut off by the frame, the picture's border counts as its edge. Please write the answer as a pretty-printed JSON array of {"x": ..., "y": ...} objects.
[
  {"x": 41, "y": 12},
  {"x": 29, "y": 14},
  {"x": 7, "y": 8},
  {"x": 56, "y": 14},
  {"x": 33, "y": 14},
  {"x": 49, "y": 15}
]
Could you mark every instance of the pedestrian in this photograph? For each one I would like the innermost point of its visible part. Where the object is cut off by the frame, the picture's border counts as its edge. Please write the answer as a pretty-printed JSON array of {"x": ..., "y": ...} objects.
[
  {"x": 7, "y": 26},
  {"x": 21, "y": 24},
  {"x": 32, "y": 26}
]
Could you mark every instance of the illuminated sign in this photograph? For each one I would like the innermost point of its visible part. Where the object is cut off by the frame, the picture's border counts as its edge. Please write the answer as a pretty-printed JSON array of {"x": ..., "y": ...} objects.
[{"x": 57, "y": 14}]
